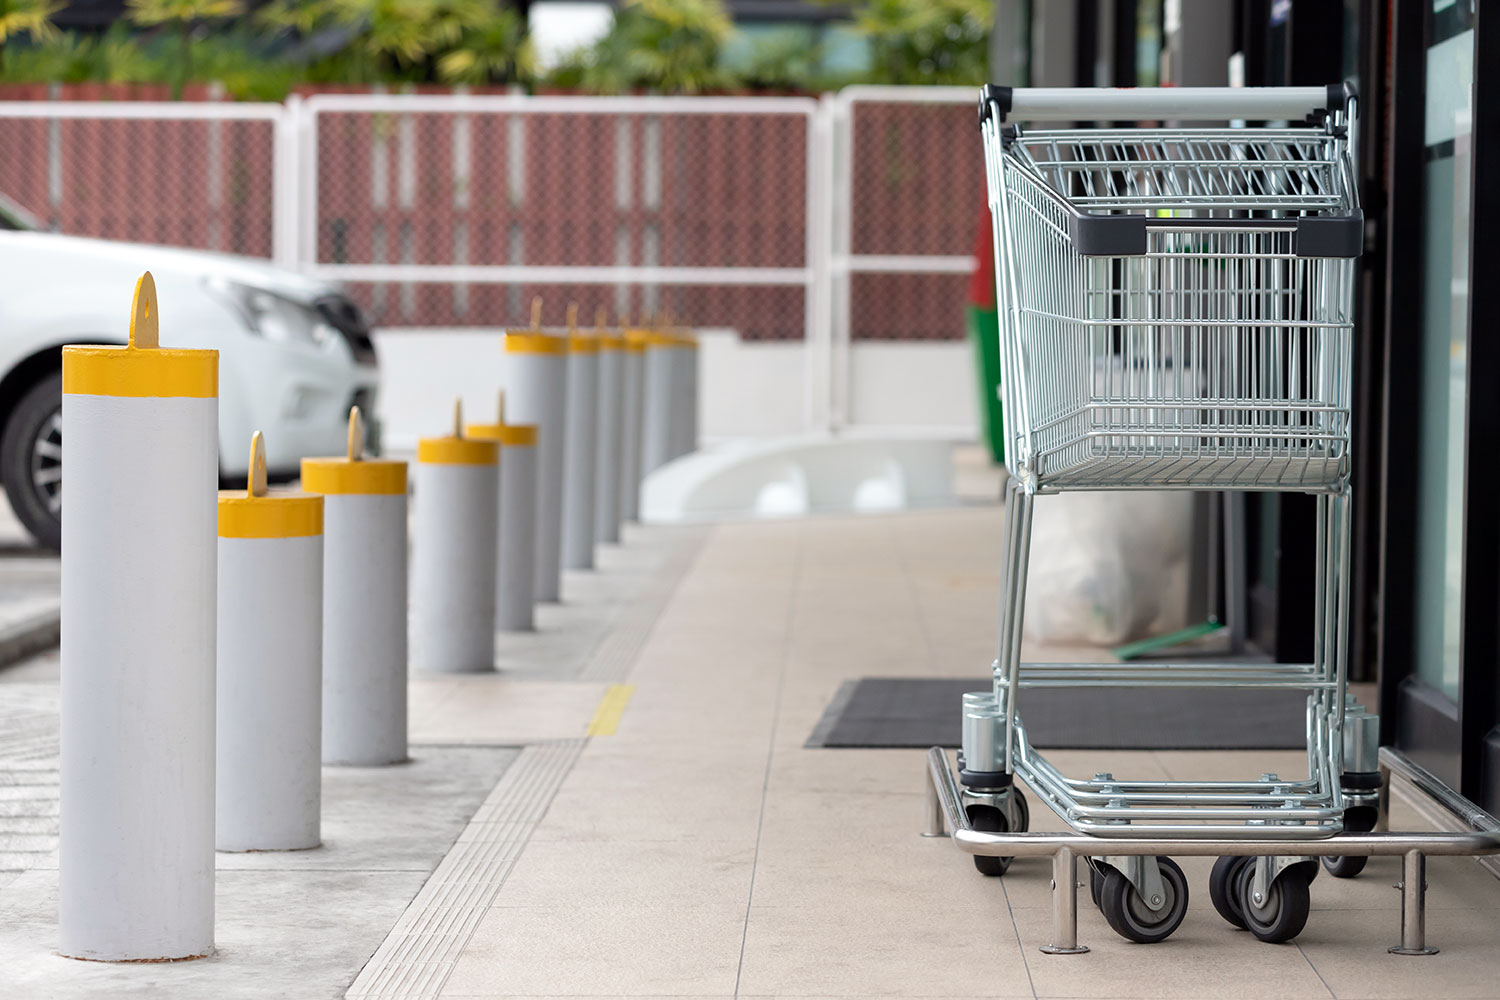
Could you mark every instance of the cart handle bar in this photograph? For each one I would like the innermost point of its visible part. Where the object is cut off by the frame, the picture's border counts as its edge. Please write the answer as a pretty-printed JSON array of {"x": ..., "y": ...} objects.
[{"x": 1161, "y": 103}]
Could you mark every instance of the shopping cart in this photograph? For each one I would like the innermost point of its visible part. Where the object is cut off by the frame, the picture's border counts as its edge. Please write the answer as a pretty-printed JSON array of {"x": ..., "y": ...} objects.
[{"x": 1176, "y": 313}]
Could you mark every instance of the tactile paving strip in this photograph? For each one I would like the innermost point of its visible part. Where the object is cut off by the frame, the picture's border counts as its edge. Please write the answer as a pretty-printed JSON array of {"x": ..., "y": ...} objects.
[{"x": 418, "y": 956}]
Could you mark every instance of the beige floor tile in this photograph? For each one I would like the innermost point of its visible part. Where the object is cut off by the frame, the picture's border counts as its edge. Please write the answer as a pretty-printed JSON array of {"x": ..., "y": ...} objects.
[
  {"x": 495, "y": 709},
  {"x": 622, "y": 874},
  {"x": 882, "y": 947},
  {"x": 1204, "y": 958},
  {"x": 1348, "y": 950},
  {"x": 578, "y": 950}
]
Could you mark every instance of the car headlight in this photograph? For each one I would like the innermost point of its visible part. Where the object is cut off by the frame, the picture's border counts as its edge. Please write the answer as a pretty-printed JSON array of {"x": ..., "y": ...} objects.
[{"x": 272, "y": 316}]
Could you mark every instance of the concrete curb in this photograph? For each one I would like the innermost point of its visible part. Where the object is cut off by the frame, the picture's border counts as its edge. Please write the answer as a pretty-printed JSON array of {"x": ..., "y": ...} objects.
[{"x": 30, "y": 634}]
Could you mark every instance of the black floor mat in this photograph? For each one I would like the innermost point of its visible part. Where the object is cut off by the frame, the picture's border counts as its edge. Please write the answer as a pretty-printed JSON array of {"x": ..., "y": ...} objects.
[{"x": 909, "y": 712}]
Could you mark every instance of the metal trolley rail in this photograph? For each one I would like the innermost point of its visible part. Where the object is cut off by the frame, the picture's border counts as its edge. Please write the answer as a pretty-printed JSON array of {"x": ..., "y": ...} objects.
[{"x": 1176, "y": 313}]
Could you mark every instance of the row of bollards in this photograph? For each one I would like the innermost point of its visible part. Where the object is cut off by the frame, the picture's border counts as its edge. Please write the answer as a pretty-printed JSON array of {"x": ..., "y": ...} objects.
[{"x": 247, "y": 645}]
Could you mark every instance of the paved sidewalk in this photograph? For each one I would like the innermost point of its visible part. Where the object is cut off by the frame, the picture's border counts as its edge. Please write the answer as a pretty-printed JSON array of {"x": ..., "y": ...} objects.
[{"x": 30, "y": 598}]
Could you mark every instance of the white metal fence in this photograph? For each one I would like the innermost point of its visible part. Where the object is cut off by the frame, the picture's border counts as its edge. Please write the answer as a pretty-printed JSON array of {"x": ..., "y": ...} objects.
[{"x": 827, "y": 224}]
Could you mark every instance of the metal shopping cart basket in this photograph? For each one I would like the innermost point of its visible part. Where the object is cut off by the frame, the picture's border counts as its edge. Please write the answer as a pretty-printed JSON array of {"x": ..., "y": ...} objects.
[{"x": 1176, "y": 313}]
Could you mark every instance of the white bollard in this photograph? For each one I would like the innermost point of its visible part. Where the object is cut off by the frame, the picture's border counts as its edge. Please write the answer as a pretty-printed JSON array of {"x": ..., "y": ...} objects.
[
  {"x": 536, "y": 393},
  {"x": 659, "y": 397},
  {"x": 453, "y": 553},
  {"x": 515, "y": 572},
  {"x": 136, "y": 861},
  {"x": 632, "y": 389},
  {"x": 364, "y": 603},
  {"x": 270, "y": 666},
  {"x": 610, "y": 434},
  {"x": 582, "y": 433},
  {"x": 691, "y": 360}
]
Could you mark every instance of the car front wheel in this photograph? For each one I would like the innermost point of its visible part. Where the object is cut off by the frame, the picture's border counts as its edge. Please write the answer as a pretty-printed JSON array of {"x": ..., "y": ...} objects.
[{"x": 31, "y": 460}]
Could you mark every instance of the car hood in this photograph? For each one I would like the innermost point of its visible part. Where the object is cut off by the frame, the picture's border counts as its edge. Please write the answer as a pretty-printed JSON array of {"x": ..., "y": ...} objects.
[{"x": 191, "y": 263}]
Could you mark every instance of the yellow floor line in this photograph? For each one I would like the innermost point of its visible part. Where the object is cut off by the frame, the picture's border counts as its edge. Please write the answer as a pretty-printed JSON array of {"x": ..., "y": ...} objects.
[{"x": 607, "y": 716}]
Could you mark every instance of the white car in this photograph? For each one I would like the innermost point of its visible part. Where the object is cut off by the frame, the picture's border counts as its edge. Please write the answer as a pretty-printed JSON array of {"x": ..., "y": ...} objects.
[{"x": 294, "y": 353}]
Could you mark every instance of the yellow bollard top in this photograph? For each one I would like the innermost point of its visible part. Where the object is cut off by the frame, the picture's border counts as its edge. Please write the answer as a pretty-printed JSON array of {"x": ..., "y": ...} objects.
[
  {"x": 257, "y": 512},
  {"x": 506, "y": 435},
  {"x": 454, "y": 448},
  {"x": 142, "y": 367},
  {"x": 353, "y": 473},
  {"x": 535, "y": 340}
]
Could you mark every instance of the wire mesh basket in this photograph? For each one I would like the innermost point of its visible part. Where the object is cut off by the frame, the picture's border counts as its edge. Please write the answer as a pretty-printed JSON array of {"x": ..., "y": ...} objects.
[{"x": 1178, "y": 305}]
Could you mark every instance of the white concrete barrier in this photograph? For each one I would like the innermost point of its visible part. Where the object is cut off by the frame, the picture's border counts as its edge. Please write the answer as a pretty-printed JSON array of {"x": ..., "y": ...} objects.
[
  {"x": 136, "y": 861},
  {"x": 364, "y": 603},
  {"x": 453, "y": 553},
  {"x": 270, "y": 674}
]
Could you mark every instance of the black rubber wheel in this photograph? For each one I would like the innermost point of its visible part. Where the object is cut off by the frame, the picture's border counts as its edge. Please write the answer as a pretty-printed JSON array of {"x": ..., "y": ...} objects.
[
  {"x": 1223, "y": 888},
  {"x": 1357, "y": 819},
  {"x": 988, "y": 819},
  {"x": 1127, "y": 913},
  {"x": 31, "y": 460},
  {"x": 1020, "y": 816},
  {"x": 1283, "y": 913},
  {"x": 1096, "y": 884}
]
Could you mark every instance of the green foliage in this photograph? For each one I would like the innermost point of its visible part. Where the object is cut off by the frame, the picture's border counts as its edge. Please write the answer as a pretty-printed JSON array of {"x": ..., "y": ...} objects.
[
  {"x": 492, "y": 51},
  {"x": 926, "y": 41},
  {"x": 667, "y": 46},
  {"x": 663, "y": 46},
  {"x": 782, "y": 61}
]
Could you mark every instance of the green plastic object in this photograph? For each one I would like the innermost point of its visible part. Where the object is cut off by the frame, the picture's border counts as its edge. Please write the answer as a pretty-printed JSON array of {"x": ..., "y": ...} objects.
[
  {"x": 1135, "y": 650},
  {"x": 984, "y": 334}
]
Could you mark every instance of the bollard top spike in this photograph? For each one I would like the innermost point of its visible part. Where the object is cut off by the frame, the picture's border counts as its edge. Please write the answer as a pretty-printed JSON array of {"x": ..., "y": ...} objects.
[
  {"x": 624, "y": 319},
  {"x": 356, "y": 434},
  {"x": 256, "y": 486},
  {"x": 500, "y": 410},
  {"x": 572, "y": 317},
  {"x": 601, "y": 317},
  {"x": 458, "y": 417},
  {"x": 145, "y": 332},
  {"x": 536, "y": 313}
]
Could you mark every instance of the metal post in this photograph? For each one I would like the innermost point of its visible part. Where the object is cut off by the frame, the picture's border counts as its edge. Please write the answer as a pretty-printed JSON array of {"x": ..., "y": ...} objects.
[
  {"x": 936, "y": 825},
  {"x": 610, "y": 434},
  {"x": 634, "y": 363},
  {"x": 1064, "y": 905},
  {"x": 1413, "y": 906}
]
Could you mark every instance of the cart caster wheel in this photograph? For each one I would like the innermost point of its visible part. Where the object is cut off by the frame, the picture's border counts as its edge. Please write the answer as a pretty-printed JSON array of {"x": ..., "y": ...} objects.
[
  {"x": 1127, "y": 913},
  {"x": 1359, "y": 819},
  {"x": 1223, "y": 888},
  {"x": 1019, "y": 813},
  {"x": 1283, "y": 913},
  {"x": 988, "y": 819},
  {"x": 1096, "y": 884}
]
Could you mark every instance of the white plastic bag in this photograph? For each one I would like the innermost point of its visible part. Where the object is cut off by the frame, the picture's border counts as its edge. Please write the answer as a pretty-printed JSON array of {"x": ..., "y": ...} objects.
[{"x": 1107, "y": 568}]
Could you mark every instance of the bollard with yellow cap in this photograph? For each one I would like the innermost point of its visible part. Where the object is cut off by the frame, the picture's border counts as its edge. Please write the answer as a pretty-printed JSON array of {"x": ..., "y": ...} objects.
[
  {"x": 631, "y": 395},
  {"x": 269, "y": 735},
  {"x": 661, "y": 399},
  {"x": 685, "y": 394},
  {"x": 515, "y": 557},
  {"x": 609, "y": 437},
  {"x": 582, "y": 430},
  {"x": 136, "y": 858},
  {"x": 535, "y": 377},
  {"x": 364, "y": 602},
  {"x": 453, "y": 553}
]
